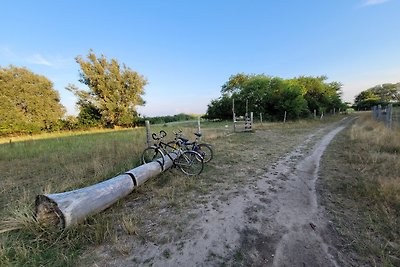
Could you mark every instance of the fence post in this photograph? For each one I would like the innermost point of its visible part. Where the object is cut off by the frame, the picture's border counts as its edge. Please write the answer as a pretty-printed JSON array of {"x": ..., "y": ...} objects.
[
  {"x": 389, "y": 116},
  {"x": 261, "y": 118},
  {"x": 379, "y": 112},
  {"x": 234, "y": 117},
  {"x": 284, "y": 117},
  {"x": 198, "y": 125},
  {"x": 251, "y": 120},
  {"x": 375, "y": 112},
  {"x": 315, "y": 114},
  {"x": 148, "y": 141}
]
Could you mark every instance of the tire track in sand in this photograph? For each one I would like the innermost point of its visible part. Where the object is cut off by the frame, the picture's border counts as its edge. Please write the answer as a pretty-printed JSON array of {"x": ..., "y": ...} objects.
[{"x": 274, "y": 220}]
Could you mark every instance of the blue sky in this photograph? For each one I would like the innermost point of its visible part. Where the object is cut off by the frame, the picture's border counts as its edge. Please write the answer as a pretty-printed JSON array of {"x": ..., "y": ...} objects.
[{"x": 188, "y": 49}]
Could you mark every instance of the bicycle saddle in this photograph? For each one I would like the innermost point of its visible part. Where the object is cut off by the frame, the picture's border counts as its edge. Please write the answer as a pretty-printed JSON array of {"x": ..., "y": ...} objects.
[{"x": 184, "y": 139}]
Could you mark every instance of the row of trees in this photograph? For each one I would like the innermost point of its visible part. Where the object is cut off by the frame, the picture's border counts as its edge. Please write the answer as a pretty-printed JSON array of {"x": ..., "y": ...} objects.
[
  {"x": 29, "y": 103},
  {"x": 113, "y": 91},
  {"x": 272, "y": 96},
  {"x": 378, "y": 95},
  {"x": 173, "y": 118}
]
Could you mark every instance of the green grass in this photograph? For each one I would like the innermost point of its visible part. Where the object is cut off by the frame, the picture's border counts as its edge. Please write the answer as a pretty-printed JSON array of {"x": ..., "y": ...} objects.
[
  {"x": 53, "y": 165},
  {"x": 58, "y": 164}
]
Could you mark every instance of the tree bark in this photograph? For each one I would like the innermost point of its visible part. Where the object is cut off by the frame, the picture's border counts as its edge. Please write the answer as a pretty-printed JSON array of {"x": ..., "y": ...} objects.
[{"x": 69, "y": 208}]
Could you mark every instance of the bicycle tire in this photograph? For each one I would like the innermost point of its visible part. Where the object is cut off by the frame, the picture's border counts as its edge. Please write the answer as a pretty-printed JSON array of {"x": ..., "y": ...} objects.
[
  {"x": 152, "y": 153},
  {"x": 205, "y": 151},
  {"x": 190, "y": 163}
]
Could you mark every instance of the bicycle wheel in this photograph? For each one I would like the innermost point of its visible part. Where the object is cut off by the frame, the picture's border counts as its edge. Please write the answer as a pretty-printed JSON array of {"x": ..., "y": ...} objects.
[
  {"x": 190, "y": 163},
  {"x": 152, "y": 154},
  {"x": 205, "y": 151}
]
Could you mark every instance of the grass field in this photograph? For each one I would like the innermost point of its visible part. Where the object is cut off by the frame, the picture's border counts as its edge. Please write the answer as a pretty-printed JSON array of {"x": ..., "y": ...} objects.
[
  {"x": 360, "y": 186},
  {"x": 63, "y": 163},
  {"x": 46, "y": 163}
]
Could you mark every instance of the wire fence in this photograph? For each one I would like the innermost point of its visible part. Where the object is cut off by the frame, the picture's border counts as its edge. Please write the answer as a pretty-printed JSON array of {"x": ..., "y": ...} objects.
[{"x": 388, "y": 114}]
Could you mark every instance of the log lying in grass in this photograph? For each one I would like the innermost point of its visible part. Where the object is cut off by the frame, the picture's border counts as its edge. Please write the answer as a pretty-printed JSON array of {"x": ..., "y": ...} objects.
[{"x": 69, "y": 208}]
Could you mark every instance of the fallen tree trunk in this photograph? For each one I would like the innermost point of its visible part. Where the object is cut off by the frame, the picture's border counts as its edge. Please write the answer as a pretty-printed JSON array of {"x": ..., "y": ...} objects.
[{"x": 69, "y": 208}]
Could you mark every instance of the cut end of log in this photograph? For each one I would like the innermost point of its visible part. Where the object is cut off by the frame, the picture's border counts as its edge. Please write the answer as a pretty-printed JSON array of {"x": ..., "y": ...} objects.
[{"x": 48, "y": 213}]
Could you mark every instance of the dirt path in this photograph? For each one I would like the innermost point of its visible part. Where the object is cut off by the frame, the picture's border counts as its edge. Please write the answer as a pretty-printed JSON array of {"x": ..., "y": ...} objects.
[{"x": 274, "y": 220}]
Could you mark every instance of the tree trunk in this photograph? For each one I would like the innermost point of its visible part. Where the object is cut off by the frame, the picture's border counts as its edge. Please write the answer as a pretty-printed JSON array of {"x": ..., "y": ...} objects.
[{"x": 69, "y": 208}]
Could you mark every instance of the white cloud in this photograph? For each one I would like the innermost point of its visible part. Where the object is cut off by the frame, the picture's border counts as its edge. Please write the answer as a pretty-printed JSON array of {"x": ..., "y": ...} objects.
[
  {"x": 39, "y": 59},
  {"x": 374, "y": 2}
]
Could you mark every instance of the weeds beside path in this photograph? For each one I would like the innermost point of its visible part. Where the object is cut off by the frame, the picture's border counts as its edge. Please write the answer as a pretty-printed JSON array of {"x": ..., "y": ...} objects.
[{"x": 360, "y": 187}]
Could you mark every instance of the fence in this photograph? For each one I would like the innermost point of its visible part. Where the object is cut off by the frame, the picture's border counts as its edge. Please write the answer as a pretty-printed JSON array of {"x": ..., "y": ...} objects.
[
  {"x": 243, "y": 124},
  {"x": 388, "y": 114}
]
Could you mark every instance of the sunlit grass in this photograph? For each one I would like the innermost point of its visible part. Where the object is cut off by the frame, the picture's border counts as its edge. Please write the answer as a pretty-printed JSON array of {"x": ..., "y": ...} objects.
[
  {"x": 53, "y": 163},
  {"x": 378, "y": 155},
  {"x": 361, "y": 174},
  {"x": 60, "y": 134},
  {"x": 56, "y": 163}
]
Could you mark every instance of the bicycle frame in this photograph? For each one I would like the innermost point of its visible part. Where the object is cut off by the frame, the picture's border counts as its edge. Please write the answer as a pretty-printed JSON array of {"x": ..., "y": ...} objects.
[{"x": 188, "y": 161}]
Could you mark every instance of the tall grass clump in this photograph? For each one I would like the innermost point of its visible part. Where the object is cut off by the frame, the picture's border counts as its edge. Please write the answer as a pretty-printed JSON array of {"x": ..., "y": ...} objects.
[
  {"x": 53, "y": 165},
  {"x": 361, "y": 172},
  {"x": 378, "y": 157}
]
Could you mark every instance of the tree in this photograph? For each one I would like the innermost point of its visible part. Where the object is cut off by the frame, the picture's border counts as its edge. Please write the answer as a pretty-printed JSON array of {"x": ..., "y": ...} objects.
[
  {"x": 235, "y": 83},
  {"x": 28, "y": 102},
  {"x": 89, "y": 115},
  {"x": 387, "y": 92},
  {"x": 378, "y": 95},
  {"x": 272, "y": 96},
  {"x": 220, "y": 108},
  {"x": 114, "y": 90},
  {"x": 292, "y": 101}
]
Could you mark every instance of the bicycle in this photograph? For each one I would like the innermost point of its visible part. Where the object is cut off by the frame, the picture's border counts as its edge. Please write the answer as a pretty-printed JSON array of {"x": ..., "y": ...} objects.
[
  {"x": 205, "y": 150},
  {"x": 188, "y": 161}
]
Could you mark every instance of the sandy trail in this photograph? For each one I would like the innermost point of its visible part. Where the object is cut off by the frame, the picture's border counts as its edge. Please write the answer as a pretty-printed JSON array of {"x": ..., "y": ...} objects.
[{"x": 274, "y": 220}]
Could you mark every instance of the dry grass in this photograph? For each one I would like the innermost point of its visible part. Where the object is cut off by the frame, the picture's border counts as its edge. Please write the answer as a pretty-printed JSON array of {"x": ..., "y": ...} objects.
[
  {"x": 360, "y": 185},
  {"x": 52, "y": 135},
  {"x": 58, "y": 163},
  {"x": 65, "y": 163},
  {"x": 378, "y": 156}
]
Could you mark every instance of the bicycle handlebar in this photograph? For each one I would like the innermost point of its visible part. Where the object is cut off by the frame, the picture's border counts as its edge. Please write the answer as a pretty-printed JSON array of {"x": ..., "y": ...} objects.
[
  {"x": 161, "y": 135},
  {"x": 155, "y": 136},
  {"x": 177, "y": 133}
]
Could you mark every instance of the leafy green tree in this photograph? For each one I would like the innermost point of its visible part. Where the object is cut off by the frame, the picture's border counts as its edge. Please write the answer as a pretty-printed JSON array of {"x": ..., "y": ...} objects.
[
  {"x": 89, "y": 115},
  {"x": 387, "y": 92},
  {"x": 378, "y": 95},
  {"x": 114, "y": 90},
  {"x": 272, "y": 96},
  {"x": 321, "y": 96},
  {"x": 220, "y": 108},
  {"x": 255, "y": 91},
  {"x": 235, "y": 83},
  {"x": 69, "y": 123},
  {"x": 28, "y": 102},
  {"x": 367, "y": 99},
  {"x": 315, "y": 92},
  {"x": 292, "y": 101}
]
